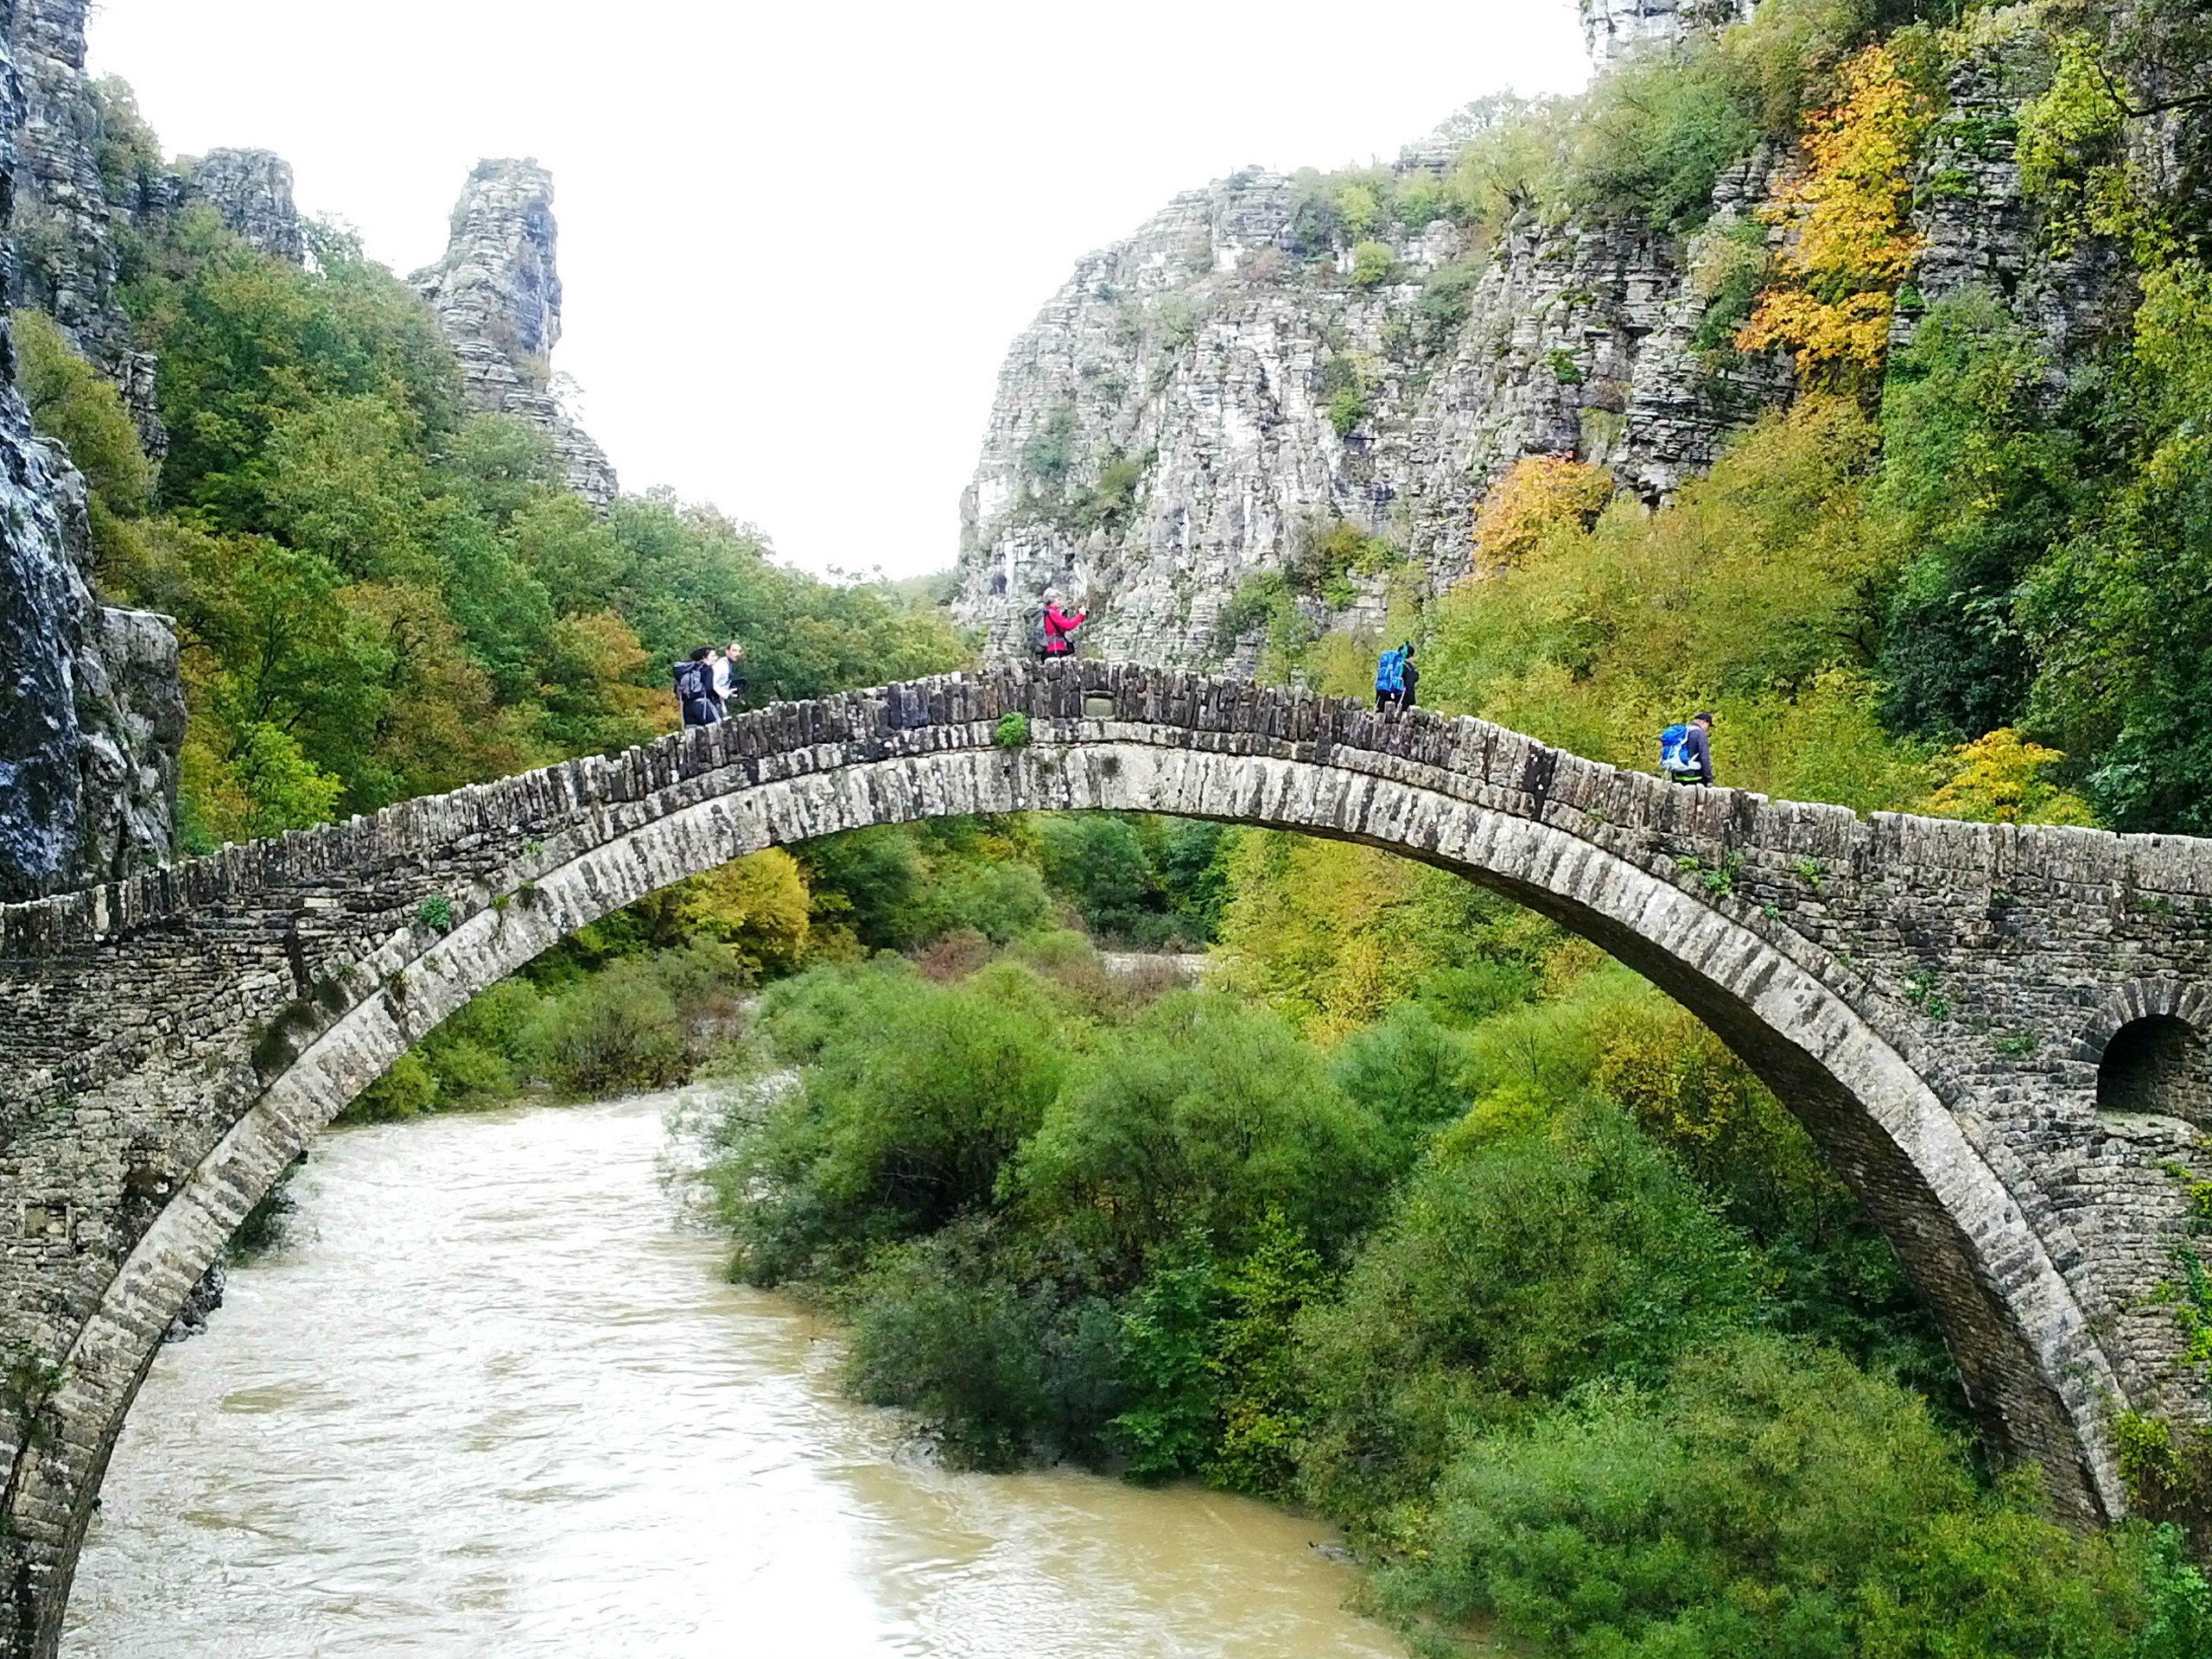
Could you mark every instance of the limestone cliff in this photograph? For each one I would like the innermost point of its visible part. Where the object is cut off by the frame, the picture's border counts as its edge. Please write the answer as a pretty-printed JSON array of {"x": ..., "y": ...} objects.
[
  {"x": 497, "y": 294},
  {"x": 1612, "y": 29},
  {"x": 63, "y": 225},
  {"x": 77, "y": 197},
  {"x": 1199, "y": 401},
  {"x": 1198, "y": 398},
  {"x": 91, "y": 713},
  {"x": 251, "y": 190},
  {"x": 1977, "y": 227}
]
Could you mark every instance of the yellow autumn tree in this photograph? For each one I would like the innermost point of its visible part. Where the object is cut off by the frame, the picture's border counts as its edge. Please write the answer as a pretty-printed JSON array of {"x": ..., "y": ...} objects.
[
  {"x": 1853, "y": 244},
  {"x": 1534, "y": 495},
  {"x": 2003, "y": 778}
]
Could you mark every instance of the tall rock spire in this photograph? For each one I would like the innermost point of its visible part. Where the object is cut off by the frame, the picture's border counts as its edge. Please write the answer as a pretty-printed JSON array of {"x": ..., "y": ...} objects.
[
  {"x": 497, "y": 295},
  {"x": 251, "y": 190}
]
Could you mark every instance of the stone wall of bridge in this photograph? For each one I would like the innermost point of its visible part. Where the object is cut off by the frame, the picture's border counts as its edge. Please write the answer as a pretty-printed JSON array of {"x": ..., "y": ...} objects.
[{"x": 1935, "y": 999}]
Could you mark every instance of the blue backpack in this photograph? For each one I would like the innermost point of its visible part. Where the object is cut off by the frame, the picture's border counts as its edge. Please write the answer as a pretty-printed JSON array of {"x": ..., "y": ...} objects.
[
  {"x": 1674, "y": 751},
  {"x": 1390, "y": 672}
]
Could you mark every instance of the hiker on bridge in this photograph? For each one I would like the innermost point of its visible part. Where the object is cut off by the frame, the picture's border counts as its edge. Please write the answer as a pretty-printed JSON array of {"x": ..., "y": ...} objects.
[
  {"x": 694, "y": 688},
  {"x": 729, "y": 675},
  {"x": 1686, "y": 751},
  {"x": 1057, "y": 628},
  {"x": 1395, "y": 678}
]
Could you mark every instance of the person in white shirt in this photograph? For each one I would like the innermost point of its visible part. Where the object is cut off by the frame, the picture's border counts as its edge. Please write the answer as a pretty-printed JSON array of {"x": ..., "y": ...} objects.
[{"x": 729, "y": 673}]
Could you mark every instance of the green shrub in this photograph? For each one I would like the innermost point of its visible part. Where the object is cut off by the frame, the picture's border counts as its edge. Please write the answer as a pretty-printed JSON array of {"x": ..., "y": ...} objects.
[
  {"x": 1447, "y": 300},
  {"x": 1654, "y": 134},
  {"x": 1207, "y": 1116},
  {"x": 408, "y": 1090},
  {"x": 1541, "y": 1249},
  {"x": 1346, "y": 407},
  {"x": 1764, "y": 1500},
  {"x": 619, "y": 1031},
  {"x": 1002, "y": 1369},
  {"x": 915, "y": 1096},
  {"x": 1373, "y": 264}
]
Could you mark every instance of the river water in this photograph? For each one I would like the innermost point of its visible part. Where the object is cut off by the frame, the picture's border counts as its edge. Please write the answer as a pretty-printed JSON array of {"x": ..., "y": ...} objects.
[{"x": 491, "y": 1397}]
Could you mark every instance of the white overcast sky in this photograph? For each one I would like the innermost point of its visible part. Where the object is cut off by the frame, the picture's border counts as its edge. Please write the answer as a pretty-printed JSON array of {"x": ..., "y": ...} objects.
[{"x": 797, "y": 240}]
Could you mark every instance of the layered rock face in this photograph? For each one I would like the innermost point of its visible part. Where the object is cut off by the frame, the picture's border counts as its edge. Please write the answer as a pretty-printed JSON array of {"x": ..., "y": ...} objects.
[
  {"x": 1199, "y": 400},
  {"x": 68, "y": 217},
  {"x": 63, "y": 226},
  {"x": 91, "y": 711},
  {"x": 1978, "y": 229},
  {"x": 251, "y": 191},
  {"x": 497, "y": 295},
  {"x": 1612, "y": 28}
]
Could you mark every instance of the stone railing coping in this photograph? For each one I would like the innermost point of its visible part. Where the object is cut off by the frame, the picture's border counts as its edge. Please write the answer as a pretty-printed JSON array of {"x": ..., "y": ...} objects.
[{"x": 1217, "y": 713}]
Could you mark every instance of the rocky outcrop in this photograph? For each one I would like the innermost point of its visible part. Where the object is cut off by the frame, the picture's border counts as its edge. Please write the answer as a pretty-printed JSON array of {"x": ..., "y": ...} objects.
[
  {"x": 497, "y": 295},
  {"x": 251, "y": 191},
  {"x": 1201, "y": 400},
  {"x": 91, "y": 713},
  {"x": 70, "y": 217},
  {"x": 63, "y": 224},
  {"x": 1613, "y": 28},
  {"x": 1977, "y": 227}
]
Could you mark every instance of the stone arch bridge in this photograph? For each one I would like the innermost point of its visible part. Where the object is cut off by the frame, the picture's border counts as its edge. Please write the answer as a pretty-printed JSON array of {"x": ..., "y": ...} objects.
[{"x": 1994, "y": 1033}]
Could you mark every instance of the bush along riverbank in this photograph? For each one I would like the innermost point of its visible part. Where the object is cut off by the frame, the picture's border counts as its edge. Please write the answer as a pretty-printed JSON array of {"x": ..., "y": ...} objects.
[{"x": 1435, "y": 1220}]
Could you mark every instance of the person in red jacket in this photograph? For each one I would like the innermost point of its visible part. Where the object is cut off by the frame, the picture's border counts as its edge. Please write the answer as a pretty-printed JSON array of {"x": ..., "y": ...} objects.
[{"x": 1058, "y": 626}]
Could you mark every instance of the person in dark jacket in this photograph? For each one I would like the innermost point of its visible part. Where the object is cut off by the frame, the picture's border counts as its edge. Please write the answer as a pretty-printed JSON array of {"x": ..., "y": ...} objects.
[
  {"x": 1412, "y": 674},
  {"x": 1390, "y": 681},
  {"x": 1697, "y": 746},
  {"x": 694, "y": 688}
]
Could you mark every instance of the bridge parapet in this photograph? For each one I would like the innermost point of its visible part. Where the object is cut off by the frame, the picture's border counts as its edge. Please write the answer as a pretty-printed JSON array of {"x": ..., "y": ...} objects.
[{"x": 1954, "y": 1010}]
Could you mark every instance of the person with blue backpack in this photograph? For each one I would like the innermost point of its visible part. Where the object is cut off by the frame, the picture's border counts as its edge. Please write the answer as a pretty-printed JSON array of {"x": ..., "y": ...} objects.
[
  {"x": 1686, "y": 751},
  {"x": 1390, "y": 678}
]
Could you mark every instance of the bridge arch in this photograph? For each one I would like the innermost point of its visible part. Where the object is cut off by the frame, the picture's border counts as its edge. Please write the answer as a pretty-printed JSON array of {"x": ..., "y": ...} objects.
[{"x": 1734, "y": 905}]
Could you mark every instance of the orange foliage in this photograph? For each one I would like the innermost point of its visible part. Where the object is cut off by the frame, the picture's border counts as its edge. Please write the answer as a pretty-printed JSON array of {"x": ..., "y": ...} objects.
[
  {"x": 1853, "y": 246},
  {"x": 1533, "y": 496}
]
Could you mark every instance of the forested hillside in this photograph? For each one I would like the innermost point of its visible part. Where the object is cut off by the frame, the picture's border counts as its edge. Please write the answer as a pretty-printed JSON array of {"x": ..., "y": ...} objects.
[
  {"x": 379, "y": 593},
  {"x": 1925, "y": 282}
]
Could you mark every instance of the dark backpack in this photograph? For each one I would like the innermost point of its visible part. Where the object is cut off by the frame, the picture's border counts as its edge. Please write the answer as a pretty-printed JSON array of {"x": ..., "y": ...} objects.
[
  {"x": 691, "y": 683},
  {"x": 1674, "y": 751},
  {"x": 1037, "y": 631}
]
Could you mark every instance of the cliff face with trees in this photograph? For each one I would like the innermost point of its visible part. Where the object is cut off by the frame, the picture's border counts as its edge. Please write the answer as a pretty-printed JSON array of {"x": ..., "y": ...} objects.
[
  {"x": 89, "y": 715},
  {"x": 296, "y": 538},
  {"x": 1942, "y": 264},
  {"x": 1305, "y": 387}
]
